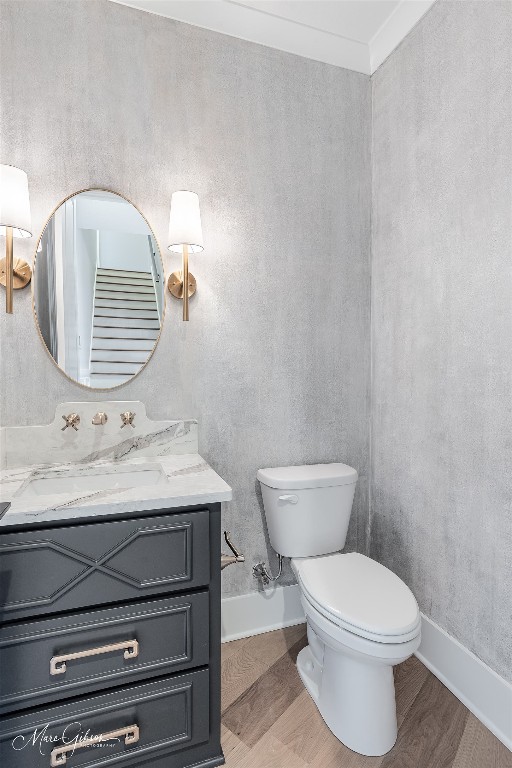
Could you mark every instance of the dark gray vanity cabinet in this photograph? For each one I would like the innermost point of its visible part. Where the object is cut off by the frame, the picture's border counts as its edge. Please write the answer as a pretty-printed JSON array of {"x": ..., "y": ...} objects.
[{"x": 110, "y": 642}]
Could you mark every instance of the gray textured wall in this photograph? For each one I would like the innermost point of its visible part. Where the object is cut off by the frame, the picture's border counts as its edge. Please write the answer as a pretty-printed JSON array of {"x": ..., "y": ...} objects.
[
  {"x": 275, "y": 360},
  {"x": 441, "y": 498}
]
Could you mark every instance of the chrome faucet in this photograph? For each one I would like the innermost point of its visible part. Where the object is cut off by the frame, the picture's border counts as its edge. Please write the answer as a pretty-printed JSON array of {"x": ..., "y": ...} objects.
[
  {"x": 99, "y": 418},
  {"x": 72, "y": 420}
]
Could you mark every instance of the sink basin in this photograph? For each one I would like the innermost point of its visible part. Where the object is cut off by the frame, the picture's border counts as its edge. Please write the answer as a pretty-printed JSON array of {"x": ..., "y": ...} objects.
[{"x": 91, "y": 479}]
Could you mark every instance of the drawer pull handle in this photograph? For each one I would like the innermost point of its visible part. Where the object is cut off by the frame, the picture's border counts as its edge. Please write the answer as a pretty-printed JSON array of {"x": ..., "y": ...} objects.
[
  {"x": 58, "y": 663},
  {"x": 59, "y": 754}
]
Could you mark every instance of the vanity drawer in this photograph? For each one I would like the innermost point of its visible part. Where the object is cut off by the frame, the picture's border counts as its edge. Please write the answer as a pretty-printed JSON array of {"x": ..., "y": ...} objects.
[
  {"x": 145, "y": 722},
  {"x": 157, "y": 636},
  {"x": 73, "y": 566}
]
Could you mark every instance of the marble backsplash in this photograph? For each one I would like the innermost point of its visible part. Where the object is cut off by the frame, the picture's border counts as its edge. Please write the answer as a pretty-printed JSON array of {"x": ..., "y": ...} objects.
[{"x": 48, "y": 444}]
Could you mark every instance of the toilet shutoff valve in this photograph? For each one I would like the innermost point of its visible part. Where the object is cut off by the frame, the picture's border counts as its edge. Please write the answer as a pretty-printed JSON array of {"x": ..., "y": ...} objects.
[{"x": 260, "y": 572}]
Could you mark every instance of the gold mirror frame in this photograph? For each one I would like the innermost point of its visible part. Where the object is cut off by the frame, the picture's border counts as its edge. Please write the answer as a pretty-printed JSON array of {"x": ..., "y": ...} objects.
[{"x": 164, "y": 303}]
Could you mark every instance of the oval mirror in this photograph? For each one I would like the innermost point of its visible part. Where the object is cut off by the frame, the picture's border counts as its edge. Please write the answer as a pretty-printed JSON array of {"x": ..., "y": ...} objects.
[{"x": 98, "y": 289}]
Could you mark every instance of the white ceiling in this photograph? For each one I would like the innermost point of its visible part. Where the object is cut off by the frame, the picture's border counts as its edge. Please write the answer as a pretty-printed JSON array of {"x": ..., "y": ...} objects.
[{"x": 355, "y": 34}]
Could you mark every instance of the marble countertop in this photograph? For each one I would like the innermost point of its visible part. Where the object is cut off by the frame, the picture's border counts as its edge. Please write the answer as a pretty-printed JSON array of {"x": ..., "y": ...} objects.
[{"x": 188, "y": 481}]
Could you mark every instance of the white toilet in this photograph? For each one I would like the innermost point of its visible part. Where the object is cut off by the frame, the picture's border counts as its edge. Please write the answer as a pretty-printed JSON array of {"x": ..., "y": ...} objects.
[{"x": 361, "y": 618}]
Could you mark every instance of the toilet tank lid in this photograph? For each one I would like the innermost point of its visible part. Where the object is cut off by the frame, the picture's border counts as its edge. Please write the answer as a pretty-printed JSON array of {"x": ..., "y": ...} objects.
[{"x": 307, "y": 476}]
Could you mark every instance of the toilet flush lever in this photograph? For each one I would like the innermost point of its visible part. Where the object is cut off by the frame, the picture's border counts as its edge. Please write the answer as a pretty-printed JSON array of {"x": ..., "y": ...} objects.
[{"x": 290, "y": 498}]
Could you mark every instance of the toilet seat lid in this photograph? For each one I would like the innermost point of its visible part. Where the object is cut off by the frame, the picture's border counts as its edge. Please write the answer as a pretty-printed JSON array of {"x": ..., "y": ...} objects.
[{"x": 356, "y": 592}]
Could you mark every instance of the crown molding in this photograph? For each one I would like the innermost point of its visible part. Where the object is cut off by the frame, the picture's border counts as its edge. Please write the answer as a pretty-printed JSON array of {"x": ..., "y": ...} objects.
[
  {"x": 256, "y": 25},
  {"x": 396, "y": 27}
]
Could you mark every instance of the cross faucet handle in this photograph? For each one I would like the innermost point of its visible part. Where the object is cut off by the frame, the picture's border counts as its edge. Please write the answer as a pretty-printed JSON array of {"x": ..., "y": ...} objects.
[
  {"x": 72, "y": 420},
  {"x": 127, "y": 418}
]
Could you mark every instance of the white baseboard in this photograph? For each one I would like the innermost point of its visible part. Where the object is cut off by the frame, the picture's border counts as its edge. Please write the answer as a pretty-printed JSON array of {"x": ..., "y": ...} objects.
[
  {"x": 259, "y": 612},
  {"x": 487, "y": 695}
]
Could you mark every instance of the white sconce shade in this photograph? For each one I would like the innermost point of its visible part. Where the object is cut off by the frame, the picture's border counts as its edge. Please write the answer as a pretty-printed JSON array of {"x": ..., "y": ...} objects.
[
  {"x": 14, "y": 202},
  {"x": 185, "y": 223}
]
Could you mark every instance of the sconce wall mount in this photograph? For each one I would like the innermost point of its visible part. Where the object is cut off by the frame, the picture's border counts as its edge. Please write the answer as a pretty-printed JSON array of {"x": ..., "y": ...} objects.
[
  {"x": 14, "y": 222},
  {"x": 175, "y": 284},
  {"x": 21, "y": 273}
]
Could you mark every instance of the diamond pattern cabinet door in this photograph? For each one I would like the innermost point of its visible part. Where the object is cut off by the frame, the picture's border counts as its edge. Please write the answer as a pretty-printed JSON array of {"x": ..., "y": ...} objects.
[{"x": 96, "y": 563}]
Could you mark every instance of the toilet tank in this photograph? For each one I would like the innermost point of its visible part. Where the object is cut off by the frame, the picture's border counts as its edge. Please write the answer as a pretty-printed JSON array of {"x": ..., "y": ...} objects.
[{"x": 308, "y": 508}]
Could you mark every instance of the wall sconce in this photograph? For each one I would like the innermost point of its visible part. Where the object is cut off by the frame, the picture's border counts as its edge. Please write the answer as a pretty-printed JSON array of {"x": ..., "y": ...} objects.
[
  {"x": 185, "y": 235},
  {"x": 14, "y": 222}
]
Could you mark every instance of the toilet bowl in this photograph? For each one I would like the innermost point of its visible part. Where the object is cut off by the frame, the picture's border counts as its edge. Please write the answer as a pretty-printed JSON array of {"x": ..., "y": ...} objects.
[
  {"x": 347, "y": 667},
  {"x": 361, "y": 618}
]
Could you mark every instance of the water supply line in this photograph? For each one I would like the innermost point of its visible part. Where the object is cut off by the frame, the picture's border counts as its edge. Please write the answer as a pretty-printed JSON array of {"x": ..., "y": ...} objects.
[{"x": 261, "y": 573}]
